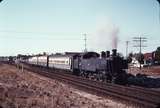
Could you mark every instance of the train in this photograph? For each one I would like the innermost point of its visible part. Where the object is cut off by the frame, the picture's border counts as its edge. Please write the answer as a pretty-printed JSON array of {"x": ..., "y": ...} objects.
[
  {"x": 8, "y": 59},
  {"x": 104, "y": 67}
]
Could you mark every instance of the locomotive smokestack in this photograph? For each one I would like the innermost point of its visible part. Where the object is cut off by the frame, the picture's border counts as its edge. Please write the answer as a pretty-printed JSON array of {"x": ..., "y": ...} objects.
[
  {"x": 108, "y": 53},
  {"x": 114, "y": 52},
  {"x": 103, "y": 54}
]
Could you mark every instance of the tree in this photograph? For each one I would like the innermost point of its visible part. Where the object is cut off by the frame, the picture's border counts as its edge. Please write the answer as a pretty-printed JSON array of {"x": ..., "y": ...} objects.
[
  {"x": 158, "y": 48},
  {"x": 157, "y": 55},
  {"x": 129, "y": 58},
  {"x": 44, "y": 53},
  {"x": 140, "y": 58}
]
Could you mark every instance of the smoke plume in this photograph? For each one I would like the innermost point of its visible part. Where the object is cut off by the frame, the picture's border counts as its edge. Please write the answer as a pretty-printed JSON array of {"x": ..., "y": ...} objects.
[
  {"x": 114, "y": 38},
  {"x": 105, "y": 36}
]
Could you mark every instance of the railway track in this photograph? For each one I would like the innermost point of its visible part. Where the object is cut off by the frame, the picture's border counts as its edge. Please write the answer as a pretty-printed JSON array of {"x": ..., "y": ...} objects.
[{"x": 142, "y": 96}]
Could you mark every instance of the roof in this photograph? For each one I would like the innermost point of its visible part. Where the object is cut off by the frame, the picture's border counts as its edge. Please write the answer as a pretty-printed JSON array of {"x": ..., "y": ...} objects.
[
  {"x": 74, "y": 53},
  {"x": 88, "y": 55}
]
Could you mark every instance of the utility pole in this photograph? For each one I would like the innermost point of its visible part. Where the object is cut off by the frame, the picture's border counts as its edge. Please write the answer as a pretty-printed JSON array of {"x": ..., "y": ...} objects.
[
  {"x": 85, "y": 42},
  {"x": 127, "y": 42},
  {"x": 139, "y": 41}
]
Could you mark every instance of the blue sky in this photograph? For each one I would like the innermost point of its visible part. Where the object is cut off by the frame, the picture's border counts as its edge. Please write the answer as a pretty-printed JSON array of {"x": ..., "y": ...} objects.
[{"x": 36, "y": 26}]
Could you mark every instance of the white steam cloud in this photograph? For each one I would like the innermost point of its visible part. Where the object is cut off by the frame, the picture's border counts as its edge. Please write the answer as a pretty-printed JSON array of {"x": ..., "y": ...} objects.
[{"x": 105, "y": 37}]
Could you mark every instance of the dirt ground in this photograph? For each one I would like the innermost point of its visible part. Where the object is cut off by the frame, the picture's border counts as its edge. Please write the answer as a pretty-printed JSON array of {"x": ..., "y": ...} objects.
[
  {"x": 151, "y": 71},
  {"x": 28, "y": 90}
]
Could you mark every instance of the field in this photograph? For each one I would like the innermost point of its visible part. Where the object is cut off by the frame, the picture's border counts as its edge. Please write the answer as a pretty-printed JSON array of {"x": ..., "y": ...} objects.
[{"x": 28, "y": 90}]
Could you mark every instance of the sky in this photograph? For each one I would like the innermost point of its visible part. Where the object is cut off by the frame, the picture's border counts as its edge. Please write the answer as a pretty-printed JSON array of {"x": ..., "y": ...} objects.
[{"x": 37, "y": 26}]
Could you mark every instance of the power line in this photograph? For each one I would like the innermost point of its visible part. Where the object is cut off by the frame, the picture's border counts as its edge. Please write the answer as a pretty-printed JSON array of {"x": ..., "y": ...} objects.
[
  {"x": 39, "y": 33},
  {"x": 140, "y": 40},
  {"x": 38, "y": 38}
]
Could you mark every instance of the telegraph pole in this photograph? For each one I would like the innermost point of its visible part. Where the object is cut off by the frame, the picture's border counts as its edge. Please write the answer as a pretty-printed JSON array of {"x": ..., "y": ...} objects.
[
  {"x": 139, "y": 40},
  {"x": 127, "y": 42},
  {"x": 85, "y": 42}
]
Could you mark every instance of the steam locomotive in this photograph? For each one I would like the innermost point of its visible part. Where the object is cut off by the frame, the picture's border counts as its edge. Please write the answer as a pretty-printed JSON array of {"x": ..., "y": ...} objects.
[{"x": 105, "y": 67}]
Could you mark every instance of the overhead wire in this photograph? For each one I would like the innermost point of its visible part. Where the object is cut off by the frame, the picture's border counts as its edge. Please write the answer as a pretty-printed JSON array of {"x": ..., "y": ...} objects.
[{"x": 40, "y": 35}]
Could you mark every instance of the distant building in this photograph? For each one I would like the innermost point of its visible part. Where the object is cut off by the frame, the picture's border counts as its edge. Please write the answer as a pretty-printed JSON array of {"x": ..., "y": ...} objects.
[
  {"x": 149, "y": 58},
  {"x": 135, "y": 63}
]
